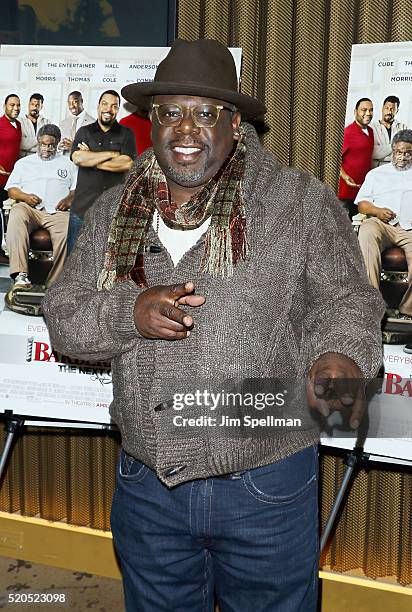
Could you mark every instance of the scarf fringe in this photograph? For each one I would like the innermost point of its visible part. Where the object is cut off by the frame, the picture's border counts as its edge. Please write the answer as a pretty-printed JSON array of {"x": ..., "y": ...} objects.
[
  {"x": 217, "y": 257},
  {"x": 106, "y": 279},
  {"x": 240, "y": 247}
]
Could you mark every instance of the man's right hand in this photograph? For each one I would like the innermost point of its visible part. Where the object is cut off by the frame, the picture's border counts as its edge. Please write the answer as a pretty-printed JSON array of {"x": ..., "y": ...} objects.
[
  {"x": 65, "y": 144},
  {"x": 32, "y": 199},
  {"x": 385, "y": 214},
  {"x": 157, "y": 314},
  {"x": 349, "y": 181}
]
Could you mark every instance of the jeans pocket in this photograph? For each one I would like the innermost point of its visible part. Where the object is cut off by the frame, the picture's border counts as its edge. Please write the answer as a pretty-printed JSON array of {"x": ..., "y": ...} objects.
[
  {"x": 284, "y": 481},
  {"x": 130, "y": 469}
]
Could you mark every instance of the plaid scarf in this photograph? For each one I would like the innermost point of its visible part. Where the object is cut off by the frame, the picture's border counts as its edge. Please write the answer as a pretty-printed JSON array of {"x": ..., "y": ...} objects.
[{"x": 146, "y": 190}]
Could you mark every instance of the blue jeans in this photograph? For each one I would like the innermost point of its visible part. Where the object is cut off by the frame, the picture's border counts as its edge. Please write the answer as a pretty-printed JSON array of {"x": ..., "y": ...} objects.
[
  {"x": 75, "y": 225},
  {"x": 252, "y": 541}
]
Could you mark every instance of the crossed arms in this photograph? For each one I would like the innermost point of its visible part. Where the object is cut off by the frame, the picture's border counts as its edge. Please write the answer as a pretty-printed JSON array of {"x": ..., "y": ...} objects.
[{"x": 111, "y": 161}]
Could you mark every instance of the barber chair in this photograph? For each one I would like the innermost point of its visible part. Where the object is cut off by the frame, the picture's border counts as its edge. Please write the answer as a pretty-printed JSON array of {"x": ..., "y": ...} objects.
[
  {"x": 27, "y": 300},
  {"x": 40, "y": 256},
  {"x": 393, "y": 285},
  {"x": 394, "y": 276}
]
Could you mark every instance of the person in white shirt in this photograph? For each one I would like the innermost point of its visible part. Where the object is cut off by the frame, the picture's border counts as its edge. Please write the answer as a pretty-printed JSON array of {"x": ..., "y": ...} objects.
[
  {"x": 386, "y": 197},
  {"x": 384, "y": 130},
  {"x": 31, "y": 124},
  {"x": 77, "y": 118},
  {"x": 43, "y": 187}
]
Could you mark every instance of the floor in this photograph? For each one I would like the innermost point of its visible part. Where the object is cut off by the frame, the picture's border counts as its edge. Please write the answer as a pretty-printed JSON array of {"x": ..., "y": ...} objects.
[
  {"x": 82, "y": 591},
  {"x": 85, "y": 592},
  {"x": 342, "y": 597}
]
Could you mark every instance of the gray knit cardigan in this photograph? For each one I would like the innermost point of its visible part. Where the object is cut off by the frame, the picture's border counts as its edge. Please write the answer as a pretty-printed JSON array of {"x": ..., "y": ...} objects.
[{"x": 302, "y": 292}]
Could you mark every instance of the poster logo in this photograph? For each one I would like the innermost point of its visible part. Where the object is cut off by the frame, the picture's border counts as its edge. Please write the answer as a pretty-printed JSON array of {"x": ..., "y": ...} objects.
[
  {"x": 39, "y": 351},
  {"x": 396, "y": 385}
]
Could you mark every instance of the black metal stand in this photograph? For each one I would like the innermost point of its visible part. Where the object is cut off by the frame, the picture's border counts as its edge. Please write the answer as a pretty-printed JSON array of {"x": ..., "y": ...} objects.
[
  {"x": 12, "y": 427},
  {"x": 15, "y": 422},
  {"x": 353, "y": 459}
]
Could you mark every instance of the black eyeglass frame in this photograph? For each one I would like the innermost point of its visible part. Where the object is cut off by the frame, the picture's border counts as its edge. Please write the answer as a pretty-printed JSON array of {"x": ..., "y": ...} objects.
[{"x": 218, "y": 107}]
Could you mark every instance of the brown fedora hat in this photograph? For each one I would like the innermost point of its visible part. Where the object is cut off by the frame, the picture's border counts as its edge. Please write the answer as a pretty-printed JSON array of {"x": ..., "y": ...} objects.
[{"x": 196, "y": 68}]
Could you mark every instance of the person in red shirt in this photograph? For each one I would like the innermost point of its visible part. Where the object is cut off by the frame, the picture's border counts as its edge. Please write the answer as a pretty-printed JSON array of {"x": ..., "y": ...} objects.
[
  {"x": 141, "y": 127},
  {"x": 356, "y": 155},
  {"x": 10, "y": 137}
]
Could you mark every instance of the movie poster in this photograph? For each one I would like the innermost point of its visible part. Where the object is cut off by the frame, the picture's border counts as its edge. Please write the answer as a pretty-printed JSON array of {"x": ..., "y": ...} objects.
[
  {"x": 380, "y": 84},
  {"x": 34, "y": 380},
  {"x": 379, "y": 71}
]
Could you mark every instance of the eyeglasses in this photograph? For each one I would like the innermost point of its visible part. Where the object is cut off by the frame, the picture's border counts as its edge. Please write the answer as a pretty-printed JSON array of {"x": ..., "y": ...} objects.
[
  {"x": 49, "y": 147},
  {"x": 405, "y": 154},
  {"x": 203, "y": 115}
]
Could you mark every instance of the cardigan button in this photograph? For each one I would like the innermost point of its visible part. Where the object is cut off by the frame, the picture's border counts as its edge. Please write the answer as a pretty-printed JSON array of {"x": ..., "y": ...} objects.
[
  {"x": 163, "y": 406},
  {"x": 174, "y": 470}
]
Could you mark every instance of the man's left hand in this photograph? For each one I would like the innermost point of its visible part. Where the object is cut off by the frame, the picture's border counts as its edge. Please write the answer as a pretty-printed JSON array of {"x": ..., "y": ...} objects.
[
  {"x": 335, "y": 382},
  {"x": 64, "y": 204}
]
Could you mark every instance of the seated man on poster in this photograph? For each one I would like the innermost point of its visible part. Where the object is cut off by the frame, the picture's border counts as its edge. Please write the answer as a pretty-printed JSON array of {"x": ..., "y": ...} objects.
[
  {"x": 43, "y": 187},
  {"x": 386, "y": 197}
]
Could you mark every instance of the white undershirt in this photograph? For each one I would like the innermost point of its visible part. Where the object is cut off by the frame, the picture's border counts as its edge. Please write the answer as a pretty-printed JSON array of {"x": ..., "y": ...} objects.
[{"x": 178, "y": 242}]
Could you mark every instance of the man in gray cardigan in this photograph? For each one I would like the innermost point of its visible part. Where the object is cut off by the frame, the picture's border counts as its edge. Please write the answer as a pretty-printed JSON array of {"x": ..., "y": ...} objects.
[{"x": 216, "y": 263}]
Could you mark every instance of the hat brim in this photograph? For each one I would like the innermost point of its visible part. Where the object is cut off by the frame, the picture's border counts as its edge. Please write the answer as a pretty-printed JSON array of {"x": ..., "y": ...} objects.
[{"x": 140, "y": 95}]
